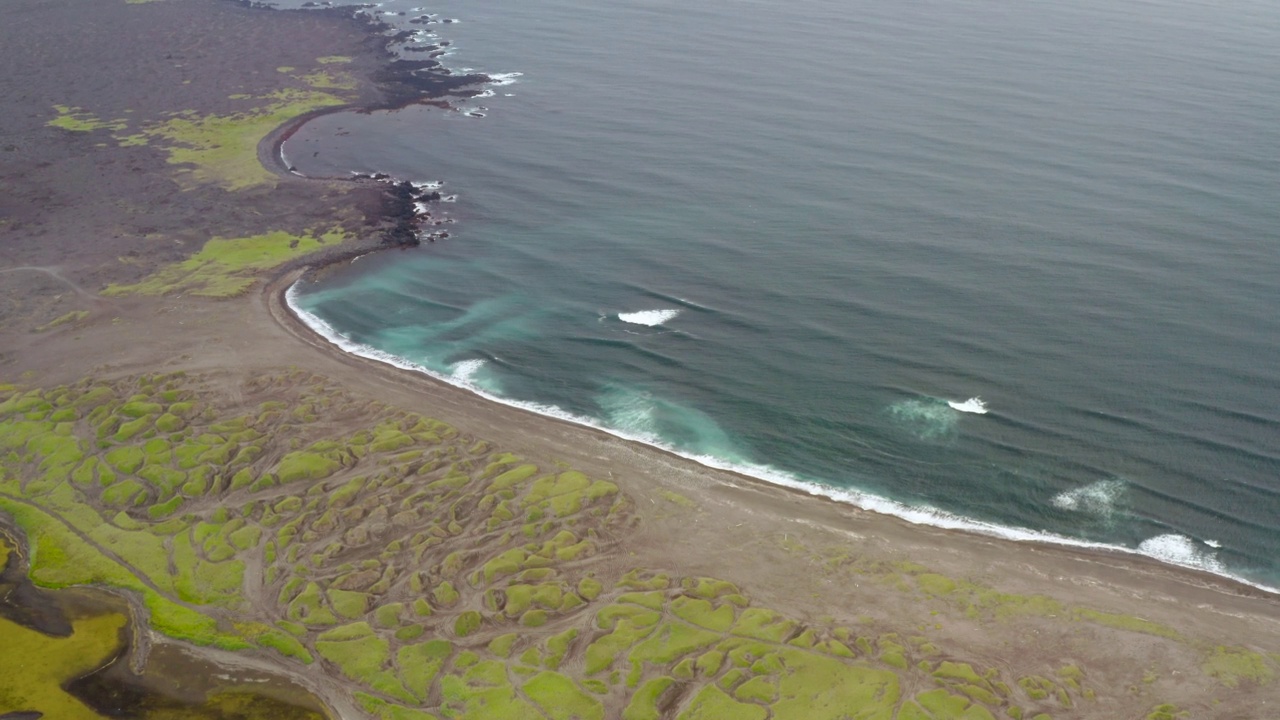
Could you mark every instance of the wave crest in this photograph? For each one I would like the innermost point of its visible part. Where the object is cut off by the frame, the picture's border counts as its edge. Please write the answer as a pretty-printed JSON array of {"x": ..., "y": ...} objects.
[
  {"x": 650, "y": 318},
  {"x": 973, "y": 405}
]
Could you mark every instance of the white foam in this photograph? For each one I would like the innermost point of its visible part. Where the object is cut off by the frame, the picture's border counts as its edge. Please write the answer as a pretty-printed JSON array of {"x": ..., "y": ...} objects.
[
  {"x": 1160, "y": 547},
  {"x": 1098, "y": 499},
  {"x": 464, "y": 371},
  {"x": 927, "y": 419},
  {"x": 972, "y": 405},
  {"x": 1180, "y": 550},
  {"x": 427, "y": 184},
  {"x": 1213, "y": 543},
  {"x": 500, "y": 79},
  {"x": 651, "y": 318}
]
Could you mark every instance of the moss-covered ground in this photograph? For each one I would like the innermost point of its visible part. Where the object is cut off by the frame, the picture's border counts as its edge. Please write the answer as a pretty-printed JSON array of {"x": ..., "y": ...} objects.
[
  {"x": 436, "y": 576},
  {"x": 227, "y": 267}
]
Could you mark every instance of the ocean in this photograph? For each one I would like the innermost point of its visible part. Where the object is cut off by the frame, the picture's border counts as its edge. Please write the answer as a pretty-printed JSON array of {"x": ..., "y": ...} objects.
[{"x": 802, "y": 241}]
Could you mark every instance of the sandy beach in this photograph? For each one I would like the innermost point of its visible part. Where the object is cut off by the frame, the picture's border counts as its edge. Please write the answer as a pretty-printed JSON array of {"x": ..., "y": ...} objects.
[{"x": 87, "y": 213}]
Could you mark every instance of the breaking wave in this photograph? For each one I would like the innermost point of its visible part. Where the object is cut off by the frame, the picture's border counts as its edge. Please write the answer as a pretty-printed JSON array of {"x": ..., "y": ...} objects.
[
  {"x": 972, "y": 405},
  {"x": 1170, "y": 548},
  {"x": 1101, "y": 499},
  {"x": 651, "y": 318}
]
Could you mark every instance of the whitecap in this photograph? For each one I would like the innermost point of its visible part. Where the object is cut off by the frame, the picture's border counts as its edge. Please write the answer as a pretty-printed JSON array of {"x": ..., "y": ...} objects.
[
  {"x": 501, "y": 79},
  {"x": 1213, "y": 543},
  {"x": 651, "y": 318},
  {"x": 927, "y": 419},
  {"x": 972, "y": 405},
  {"x": 1099, "y": 499}
]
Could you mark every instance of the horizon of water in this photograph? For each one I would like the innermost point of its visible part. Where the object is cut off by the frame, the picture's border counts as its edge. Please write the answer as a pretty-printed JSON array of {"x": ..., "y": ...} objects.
[{"x": 803, "y": 244}]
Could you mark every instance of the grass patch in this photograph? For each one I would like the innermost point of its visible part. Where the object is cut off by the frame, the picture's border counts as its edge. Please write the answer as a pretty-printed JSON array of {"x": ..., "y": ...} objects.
[
  {"x": 1230, "y": 665},
  {"x": 70, "y": 318},
  {"x": 79, "y": 120},
  {"x": 222, "y": 150},
  {"x": 226, "y": 267},
  {"x": 34, "y": 667},
  {"x": 561, "y": 699}
]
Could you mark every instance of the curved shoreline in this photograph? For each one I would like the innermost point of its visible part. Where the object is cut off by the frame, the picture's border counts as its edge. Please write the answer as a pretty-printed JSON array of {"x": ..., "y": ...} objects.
[
  {"x": 278, "y": 303},
  {"x": 270, "y": 154}
]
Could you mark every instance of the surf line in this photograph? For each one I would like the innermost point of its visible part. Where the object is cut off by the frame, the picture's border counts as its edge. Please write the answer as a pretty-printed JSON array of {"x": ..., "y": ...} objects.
[{"x": 1158, "y": 548}]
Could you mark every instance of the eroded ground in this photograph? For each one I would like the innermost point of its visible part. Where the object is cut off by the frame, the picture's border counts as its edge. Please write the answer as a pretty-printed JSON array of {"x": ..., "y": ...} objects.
[{"x": 435, "y": 575}]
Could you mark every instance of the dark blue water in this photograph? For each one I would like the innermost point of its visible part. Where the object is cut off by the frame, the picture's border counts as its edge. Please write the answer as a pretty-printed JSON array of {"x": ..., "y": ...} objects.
[{"x": 840, "y": 216}]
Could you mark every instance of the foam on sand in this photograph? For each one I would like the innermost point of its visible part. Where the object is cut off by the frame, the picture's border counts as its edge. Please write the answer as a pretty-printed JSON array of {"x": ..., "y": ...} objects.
[
  {"x": 650, "y": 318},
  {"x": 1180, "y": 550},
  {"x": 972, "y": 405}
]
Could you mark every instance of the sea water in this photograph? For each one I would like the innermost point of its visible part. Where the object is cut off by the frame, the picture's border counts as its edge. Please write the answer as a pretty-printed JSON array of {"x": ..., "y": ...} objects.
[{"x": 1005, "y": 266}]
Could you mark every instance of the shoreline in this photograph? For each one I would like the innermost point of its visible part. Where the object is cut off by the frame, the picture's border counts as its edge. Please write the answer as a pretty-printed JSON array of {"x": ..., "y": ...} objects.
[
  {"x": 829, "y": 587},
  {"x": 288, "y": 316}
]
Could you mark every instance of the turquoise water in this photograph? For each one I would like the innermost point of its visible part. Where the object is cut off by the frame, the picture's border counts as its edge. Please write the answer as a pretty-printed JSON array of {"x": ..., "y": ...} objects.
[{"x": 784, "y": 239}]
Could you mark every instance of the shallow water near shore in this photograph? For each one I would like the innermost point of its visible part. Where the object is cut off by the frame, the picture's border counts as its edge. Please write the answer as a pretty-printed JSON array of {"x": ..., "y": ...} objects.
[{"x": 796, "y": 242}]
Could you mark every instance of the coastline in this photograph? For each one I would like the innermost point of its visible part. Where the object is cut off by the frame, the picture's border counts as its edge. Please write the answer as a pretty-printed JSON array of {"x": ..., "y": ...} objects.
[
  {"x": 286, "y": 313},
  {"x": 1021, "y": 608}
]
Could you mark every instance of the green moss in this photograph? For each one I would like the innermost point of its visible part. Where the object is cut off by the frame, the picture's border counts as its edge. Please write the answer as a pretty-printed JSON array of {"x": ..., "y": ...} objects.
[
  {"x": 708, "y": 588},
  {"x": 513, "y": 477},
  {"x": 445, "y": 595},
  {"x": 958, "y": 671},
  {"x": 758, "y": 689},
  {"x": 700, "y": 612},
  {"x": 589, "y": 588},
  {"x": 652, "y": 600},
  {"x": 79, "y": 120},
  {"x": 228, "y": 267},
  {"x": 384, "y": 710},
  {"x": 419, "y": 664},
  {"x": 936, "y": 584},
  {"x": 671, "y": 641},
  {"x": 644, "y": 703},
  {"x": 1126, "y": 622},
  {"x": 246, "y": 537},
  {"x": 1230, "y": 665},
  {"x": 501, "y": 645},
  {"x": 467, "y": 623},
  {"x": 820, "y": 688},
  {"x": 35, "y": 667},
  {"x": 125, "y": 459},
  {"x": 222, "y": 149},
  {"x": 286, "y": 645},
  {"x": 560, "y": 699},
  {"x": 764, "y": 625},
  {"x": 1165, "y": 712},
  {"x": 362, "y": 656},
  {"x": 305, "y": 466},
  {"x": 348, "y": 604},
  {"x": 602, "y": 653},
  {"x": 558, "y": 647},
  {"x": 711, "y": 703},
  {"x": 166, "y": 508},
  {"x": 388, "y": 615},
  {"x": 70, "y": 318}
]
